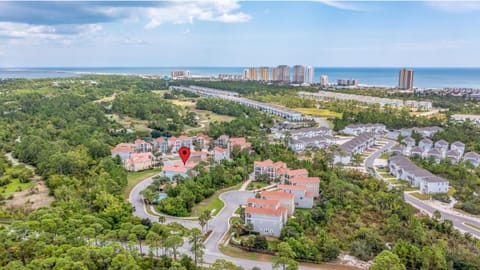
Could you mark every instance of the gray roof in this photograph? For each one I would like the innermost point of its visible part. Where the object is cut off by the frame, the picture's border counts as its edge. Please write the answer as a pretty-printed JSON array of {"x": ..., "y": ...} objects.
[
  {"x": 426, "y": 141},
  {"x": 458, "y": 144},
  {"x": 441, "y": 142},
  {"x": 471, "y": 155},
  {"x": 408, "y": 139},
  {"x": 434, "y": 152},
  {"x": 417, "y": 149},
  {"x": 408, "y": 166},
  {"x": 357, "y": 141}
]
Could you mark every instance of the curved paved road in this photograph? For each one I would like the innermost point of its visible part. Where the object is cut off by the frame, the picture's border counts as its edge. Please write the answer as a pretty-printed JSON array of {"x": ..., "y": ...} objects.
[{"x": 219, "y": 226}]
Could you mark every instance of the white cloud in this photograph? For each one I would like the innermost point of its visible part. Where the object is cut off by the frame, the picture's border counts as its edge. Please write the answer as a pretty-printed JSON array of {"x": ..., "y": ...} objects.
[
  {"x": 62, "y": 33},
  {"x": 180, "y": 12},
  {"x": 455, "y": 6},
  {"x": 339, "y": 4}
]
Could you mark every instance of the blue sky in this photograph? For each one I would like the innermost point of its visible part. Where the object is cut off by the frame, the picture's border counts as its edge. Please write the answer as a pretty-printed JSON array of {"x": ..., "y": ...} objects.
[{"x": 245, "y": 33}]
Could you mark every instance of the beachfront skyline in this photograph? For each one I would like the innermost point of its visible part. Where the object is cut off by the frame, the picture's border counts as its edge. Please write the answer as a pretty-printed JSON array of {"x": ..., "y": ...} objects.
[{"x": 230, "y": 33}]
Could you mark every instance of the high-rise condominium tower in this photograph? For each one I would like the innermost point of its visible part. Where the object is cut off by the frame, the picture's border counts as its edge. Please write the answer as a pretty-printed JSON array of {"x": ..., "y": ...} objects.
[{"x": 405, "y": 79}]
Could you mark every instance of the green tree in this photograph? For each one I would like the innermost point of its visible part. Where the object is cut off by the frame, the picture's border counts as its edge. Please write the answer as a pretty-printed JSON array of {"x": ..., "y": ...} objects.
[
  {"x": 174, "y": 241},
  {"x": 387, "y": 260},
  {"x": 284, "y": 258},
  {"x": 197, "y": 247}
]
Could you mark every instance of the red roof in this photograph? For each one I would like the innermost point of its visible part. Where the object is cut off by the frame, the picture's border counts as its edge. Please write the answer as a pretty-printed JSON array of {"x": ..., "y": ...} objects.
[
  {"x": 265, "y": 163},
  {"x": 174, "y": 169},
  {"x": 159, "y": 139},
  {"x": 139, "y": 141},
  {"x": 279, "y": 165},
  {"x": 309, "y": 194},
  {"x": 218, "y": 149},
  {"x": 298, "y": 172},
  {"x": 183, "y": 137},
  {"x": 276, "y": 194},
  {"x": 291, "y": 187},
  {"x": 141, "y": 157},
  {"x": 123, "y": 147},
  {"x": 262, "y": 201},
  {"x": 266, "y": 211},
  {"x": 305, "y": 180}
]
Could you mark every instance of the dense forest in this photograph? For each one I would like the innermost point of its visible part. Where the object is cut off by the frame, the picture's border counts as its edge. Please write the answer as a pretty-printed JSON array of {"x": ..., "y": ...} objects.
[{"x": 65, "y": 133}]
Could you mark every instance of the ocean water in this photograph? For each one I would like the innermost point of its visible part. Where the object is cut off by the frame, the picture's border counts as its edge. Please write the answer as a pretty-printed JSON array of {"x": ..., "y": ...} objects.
[{"x": 388, "y": 76}]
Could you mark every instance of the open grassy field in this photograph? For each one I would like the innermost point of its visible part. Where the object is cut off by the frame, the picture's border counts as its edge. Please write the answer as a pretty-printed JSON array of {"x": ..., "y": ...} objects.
[
  {"x": 15, "y": 186},
  {"x": 134, "y": 178},
  {"x": 319, "y": 112},
  {"x": 130, "y": 122},
  {"x": 213, "y": 202}
]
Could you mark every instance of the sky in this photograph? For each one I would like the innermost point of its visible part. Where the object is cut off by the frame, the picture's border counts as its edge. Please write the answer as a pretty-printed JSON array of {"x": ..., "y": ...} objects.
[{"x": 322, "y": 33}]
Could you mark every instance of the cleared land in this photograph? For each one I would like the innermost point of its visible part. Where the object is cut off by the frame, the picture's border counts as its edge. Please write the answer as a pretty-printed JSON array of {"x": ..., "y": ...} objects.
[
  {"x": 130, "y": 122},
  {"x": 319, "y": 112}
]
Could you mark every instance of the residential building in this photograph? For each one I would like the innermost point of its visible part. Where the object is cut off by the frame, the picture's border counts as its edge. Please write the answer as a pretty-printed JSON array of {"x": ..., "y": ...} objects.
[
  {"x": 268, "y": 168},
  {"x": 466, "y": 117},
  {"x": 160, "y": 145},
  {"x": 174, "y": 143},
  {"x": 201, "y": 141},
  {"x": 473, "y": 158},
  {"x": 309, "y": 75},
  {"x": 252, "y": 74},
  {"x": 312, "y": 184},
  {"x": 354, "y": 146},
  {"x": 246, "y": 74},
  {"x": 358, "y": 129},
  {"x": 435, "y": 153},
  {"x": 286, "y": 199},
  {"x": 417, "y": 151},
  {"x": 405, "y": 79},
  {"x": 298, "y": 74},
  {"x": 142, "y": 146},
  {"x": 275, "y": 74},
  {"x": 442, "y": 145},
  {"x": 347, "y": 82},
  {"x": 303, "y": 143},
  {"x": 180, "y": 74},
  {"x": 264, "y": 74},
  {"x": 264, "y": 218},
  {"x": 220, "y": 154},
  {"x": 139, "y": 161},
  {"x": 241, "y": 143},
  {"x": 302, "y": 197},
  {"x": 458, "y": 146},
  {"x": 330, "y": 95},
  {"x": 409, "y": 142},
  {"x": 283, "y": 73},
  {"x": 402, "y": 168},
  {"x": 454, "y": 156},
  {"x": 398, "y": 149},
  {"x": 296, "y": 173},
  {"x": 123, "y": 150},
  {"x": 309, "y": 132},
  {"x": 323, "y": 80},
  {"x": 426, "y": 144},
  {"x": 176, "y": 169},
  {"x": 222, "y": 141}
]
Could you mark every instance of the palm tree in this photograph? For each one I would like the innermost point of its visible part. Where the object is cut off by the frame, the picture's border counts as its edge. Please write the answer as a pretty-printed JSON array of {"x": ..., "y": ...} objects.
[{"x": 197, "y": 246}]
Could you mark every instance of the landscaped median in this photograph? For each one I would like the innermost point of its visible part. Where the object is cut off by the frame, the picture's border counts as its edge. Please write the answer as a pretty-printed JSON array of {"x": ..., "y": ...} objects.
[{"x": 134, "y": 178}]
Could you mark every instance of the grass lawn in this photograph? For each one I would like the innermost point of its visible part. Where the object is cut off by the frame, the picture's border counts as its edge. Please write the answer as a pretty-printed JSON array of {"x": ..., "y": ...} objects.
[
  {"x": 397, "y": 182},
  {"x": 386, "y": 175},
  {"x": 473, "y": 226},
  {"x": 256, "y": 185},
  {"x": 134, "y": 178},
  {"x": 130, "y": 122},
  {"x": 210, "y": 204},
  {"x": 421, "y": 196},
  {"x": 451, "y": 191},
  {"x": 236, "y": 220},
  {"x": 15, "y": 186},
  {"x": 238, "y": 253},
  {"x": 319, "y": 112},
  {"x": 382, "y": 170},
  {"x": 384, "y": 156}
]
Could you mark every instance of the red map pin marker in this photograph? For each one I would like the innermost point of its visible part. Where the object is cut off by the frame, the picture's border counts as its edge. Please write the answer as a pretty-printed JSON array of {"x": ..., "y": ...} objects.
[{"x": 184, "y": 154}]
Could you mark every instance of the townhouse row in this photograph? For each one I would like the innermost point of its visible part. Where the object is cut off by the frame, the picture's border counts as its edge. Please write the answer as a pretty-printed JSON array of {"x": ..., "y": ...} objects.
[
  {"x": 357, "y": 145},
  {"x": 402, "y": 168}
]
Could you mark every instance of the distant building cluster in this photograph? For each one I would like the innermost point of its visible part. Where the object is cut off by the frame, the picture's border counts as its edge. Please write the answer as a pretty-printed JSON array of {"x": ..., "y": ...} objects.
[
  {"x": 180, "y": 74},
  {"x": 357, "y": 129},
  {"x": 402, "y": 168},
  {"x": 280, "y": 74},
  {"x": 437, "y": 151},
  {"x": 466, "y": 117},
  {"x": 230, "y": 77},
  {"x": 268, "y": 213},
  {"x": 422, "y": 105},
  {"x": 424, "y": 132},
  {"x": 139, "y": 155},
  {"x": 299, "y": 140},
  {"x": 233, "y": 97},
  {"x": 347, "y": 82}
]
